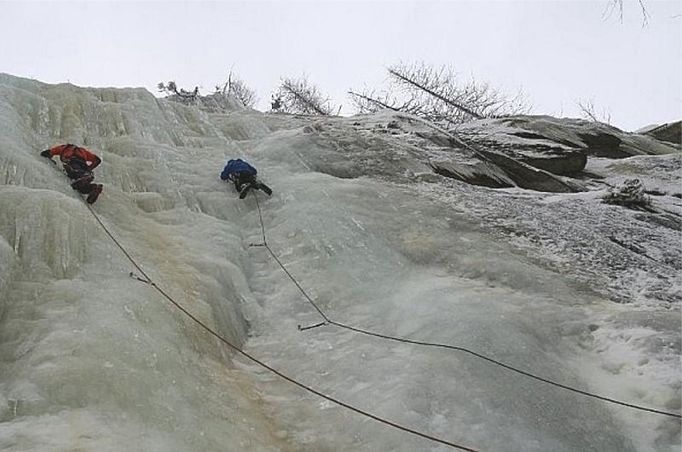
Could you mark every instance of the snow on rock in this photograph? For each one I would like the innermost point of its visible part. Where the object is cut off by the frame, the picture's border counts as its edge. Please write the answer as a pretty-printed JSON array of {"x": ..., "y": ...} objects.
[
  {"x": 374, "y": 219},
  {"x": 559, "y": 146},
  {"x": 670, "y": 132}
]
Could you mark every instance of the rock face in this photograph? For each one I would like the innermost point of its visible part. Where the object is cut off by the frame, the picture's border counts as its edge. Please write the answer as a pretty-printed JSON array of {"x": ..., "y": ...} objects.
[
  {"x": 412, "y": 146},
  {"x": 471, "y": 155},
  {"x": 550, "y": 147},
  {"x": 539, "y": 153},
  {"x": 495, "y": 169},
  {"x": 671, "y": 132},
  {"x": 535, "y": 152},
  {"x": 558, "y": 145},
  {"x": 527, "y": 176}
]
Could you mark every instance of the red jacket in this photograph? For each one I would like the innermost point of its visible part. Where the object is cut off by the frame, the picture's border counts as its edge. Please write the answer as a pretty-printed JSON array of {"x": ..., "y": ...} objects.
[{"x": 68, "y": 151}]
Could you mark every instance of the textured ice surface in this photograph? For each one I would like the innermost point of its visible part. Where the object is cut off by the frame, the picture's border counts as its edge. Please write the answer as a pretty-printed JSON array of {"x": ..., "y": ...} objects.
[{"x": 92, "y": 359}]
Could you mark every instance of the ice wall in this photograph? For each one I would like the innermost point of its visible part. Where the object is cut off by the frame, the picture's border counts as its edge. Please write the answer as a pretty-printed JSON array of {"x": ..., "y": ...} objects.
[{"x": 92, "y": 359}]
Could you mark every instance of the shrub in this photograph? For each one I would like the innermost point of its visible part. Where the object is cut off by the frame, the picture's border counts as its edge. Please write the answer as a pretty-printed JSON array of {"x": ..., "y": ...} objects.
[{"x": 630, "y": 193}]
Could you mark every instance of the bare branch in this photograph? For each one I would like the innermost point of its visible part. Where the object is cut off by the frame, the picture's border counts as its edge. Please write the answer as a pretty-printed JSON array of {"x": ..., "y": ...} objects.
[
  {"x": 171, "y": 90},
  {"x": 300, "y": 96},
  {"x": 589, "y": 112},
  {"x": 237, "y": 88},
  {"x": 368, "y": 103},
  {"x": 241, "y": 92},
  {"x": 617, "y": 5},
  {"x": 438, "y": 95},
  {"x": 645, "y": 14}
]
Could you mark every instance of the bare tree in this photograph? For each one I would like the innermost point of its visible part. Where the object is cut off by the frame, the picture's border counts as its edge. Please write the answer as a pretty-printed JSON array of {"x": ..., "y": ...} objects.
[
  {"x": 616, "y": 6},
  {"x": 300, "y": 96},
  {"x": 437, "y": 88},
  {"x": 237, "y": 88},
  {"x": 370, "y": 101},
  {"x": 437, "y": 94},
  {"x": 446, "y": 97},
  {"x": 589, "y": 112}
]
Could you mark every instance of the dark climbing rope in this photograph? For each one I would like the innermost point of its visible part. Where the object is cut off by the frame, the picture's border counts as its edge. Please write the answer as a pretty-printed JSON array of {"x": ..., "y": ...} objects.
[
  {"x": 222, "y": 339},
  {"x": 132, "y": 261},
  {"x": 328, "y": 321},
  {"x": 274, "y": 256},
  {"x": 506, "y": 366}
]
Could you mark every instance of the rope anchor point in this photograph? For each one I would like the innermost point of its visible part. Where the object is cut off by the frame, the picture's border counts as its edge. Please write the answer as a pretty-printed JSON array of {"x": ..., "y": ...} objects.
[
  {"x": 134, "y": 276},
  {"x": 303, "y": 328}
]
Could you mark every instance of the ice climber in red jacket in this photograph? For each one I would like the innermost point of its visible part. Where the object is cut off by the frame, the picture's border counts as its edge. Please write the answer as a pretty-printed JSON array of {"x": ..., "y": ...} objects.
[{"x": 78, "y": 163}]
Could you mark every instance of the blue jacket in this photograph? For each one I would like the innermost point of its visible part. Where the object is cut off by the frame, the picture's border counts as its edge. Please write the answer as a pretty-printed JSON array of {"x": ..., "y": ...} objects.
[{"x": 235, "y": 167}]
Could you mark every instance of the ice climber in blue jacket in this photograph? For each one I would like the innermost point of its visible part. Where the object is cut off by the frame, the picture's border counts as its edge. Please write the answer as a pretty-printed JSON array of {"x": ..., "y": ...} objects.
[{"x": 244, "y": 177}]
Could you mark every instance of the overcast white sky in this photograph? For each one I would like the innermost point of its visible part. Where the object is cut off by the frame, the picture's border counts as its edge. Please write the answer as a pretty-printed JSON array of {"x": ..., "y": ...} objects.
[{"x": 557, "y": 51}]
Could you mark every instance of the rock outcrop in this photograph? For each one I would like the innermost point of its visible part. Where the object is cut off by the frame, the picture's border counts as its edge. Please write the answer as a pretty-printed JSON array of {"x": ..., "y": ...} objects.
[
  {"x": 558, "y": 145},
  {"x": 670, "y": 132}
]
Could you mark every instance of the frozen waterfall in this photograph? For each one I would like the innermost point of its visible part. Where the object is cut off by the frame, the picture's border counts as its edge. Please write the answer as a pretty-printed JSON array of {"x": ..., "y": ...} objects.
[{"x": 92, "y": 359}]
